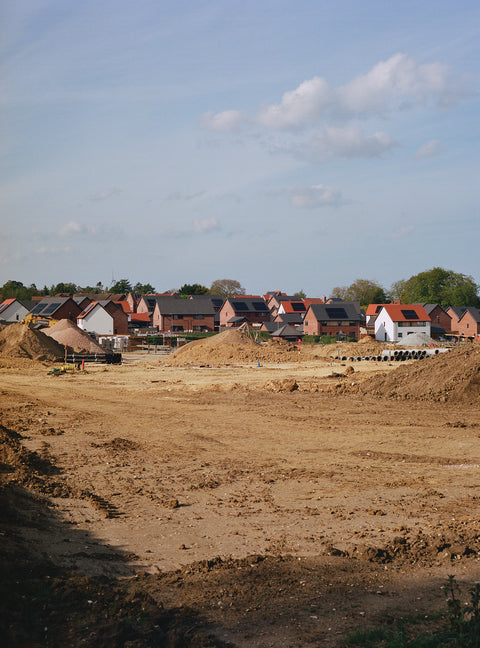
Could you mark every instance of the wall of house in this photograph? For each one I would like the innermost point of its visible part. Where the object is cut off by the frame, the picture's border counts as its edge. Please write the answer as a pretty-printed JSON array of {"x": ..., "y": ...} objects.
[
  {"x": 312, "y": 326},
  {"x": 468, "y": 327},
  {"x": 69, "y": 310},
  {"x": 388, "y": 331},
  {"x": 440, "y": 318},
  {"x": 14, "y": 313},
  {"x": 97, "y": 321},
  {"x": 168, "y": 323}
]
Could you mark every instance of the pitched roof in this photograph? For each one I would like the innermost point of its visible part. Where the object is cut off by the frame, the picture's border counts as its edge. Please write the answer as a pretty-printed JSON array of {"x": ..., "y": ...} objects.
[
  {"x": 287, "y": 331},
  {"x": 169, "y": 305},
  {"x": 338, "y": 311},
  {"x": 406, "y": 312},
  {"x": 294, "y": 306},
  {"x": 373, "y": 309},
  {"x": 49, "y": 305},
  {"x": 242, "y": 305},
  {"x": 474, "y": 312}
]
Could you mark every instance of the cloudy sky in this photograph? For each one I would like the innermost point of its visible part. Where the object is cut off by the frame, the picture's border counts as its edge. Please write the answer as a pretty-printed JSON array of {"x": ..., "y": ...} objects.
[{"x": 287, "y": 145}]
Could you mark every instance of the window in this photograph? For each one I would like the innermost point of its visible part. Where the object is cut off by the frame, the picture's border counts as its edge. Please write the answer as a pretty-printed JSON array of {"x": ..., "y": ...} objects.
[
  {"x": 175, "y": 317},
  {"x": 400, "y": 335},
  {"x": 198, "y": 317}
]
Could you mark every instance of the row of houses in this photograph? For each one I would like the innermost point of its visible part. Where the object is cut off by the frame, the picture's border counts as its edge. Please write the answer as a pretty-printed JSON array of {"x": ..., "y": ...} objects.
[{"x": 171, "y": 314}]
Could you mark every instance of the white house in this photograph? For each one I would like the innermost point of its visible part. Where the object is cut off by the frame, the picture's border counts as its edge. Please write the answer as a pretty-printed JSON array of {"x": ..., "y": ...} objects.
[
  {"x": 395, "y": 321},
  {"x": 14, "y": 310},
  {"x": 95, "y": 319}
]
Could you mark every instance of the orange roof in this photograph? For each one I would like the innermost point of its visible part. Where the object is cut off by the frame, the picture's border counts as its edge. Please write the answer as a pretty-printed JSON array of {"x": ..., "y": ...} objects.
[
  {"x": 124, "y": 305},
  {"x": 403, "y": 312},
  {"x": 373, "y": 309},
  {"x": 7, "y": 302},
  {"x": 313, "y": 300},
  {"x": 139, "y": 317},
  {"x": 300, "y": 306}
]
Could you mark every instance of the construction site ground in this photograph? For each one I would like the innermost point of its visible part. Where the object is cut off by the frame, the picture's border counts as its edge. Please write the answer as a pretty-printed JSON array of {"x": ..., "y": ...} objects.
[{"x": 248, "y": 504}]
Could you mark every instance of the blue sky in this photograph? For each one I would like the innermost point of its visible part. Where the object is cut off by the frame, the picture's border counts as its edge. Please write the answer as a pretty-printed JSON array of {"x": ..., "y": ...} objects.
[{"x": 287, "y": 145}]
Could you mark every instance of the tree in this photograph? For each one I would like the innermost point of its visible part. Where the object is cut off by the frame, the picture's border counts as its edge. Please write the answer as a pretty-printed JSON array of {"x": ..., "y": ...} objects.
[
  {"x": 15, "y": 289},
  {"x": 440, "y": 286},
  {"x": 364, "y": 291},
  {"x": 226, "y": 288},
  {"x": 397, "y": 289},
  {"x": 193, "y": 289},
  {"x": 69, "y": 288},
  {"x": 122, "y": 286},
  {"x": 300, "y": 294},
  {"x": 143, "y": 289}
]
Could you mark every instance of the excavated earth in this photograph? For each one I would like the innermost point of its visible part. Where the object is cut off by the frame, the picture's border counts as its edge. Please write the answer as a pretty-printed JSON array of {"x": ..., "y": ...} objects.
[{"x": 252, "y": 496}]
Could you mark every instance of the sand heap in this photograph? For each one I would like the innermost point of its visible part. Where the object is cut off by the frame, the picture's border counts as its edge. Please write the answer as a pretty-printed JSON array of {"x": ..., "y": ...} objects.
[
  {"x": 233, "y": 347},
  {"x": 366, "y": 346},
  {"x": 451, "y": 376},
  {"x": 67, "y": 333},
  {"x": 20, "y": 341}
]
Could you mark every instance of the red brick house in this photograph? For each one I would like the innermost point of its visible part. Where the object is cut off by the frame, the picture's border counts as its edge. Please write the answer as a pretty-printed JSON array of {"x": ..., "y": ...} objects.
[
  {"x": 441, "y": 320},
  {"x": 173, "y": 314},
  {"x": 339, "y": 319},
  {"x": 469, "y": 323},
  {"x": 455, "y": 312},
  {"x": 57, "y": 308},
  {"x": 250, "y": 309}
]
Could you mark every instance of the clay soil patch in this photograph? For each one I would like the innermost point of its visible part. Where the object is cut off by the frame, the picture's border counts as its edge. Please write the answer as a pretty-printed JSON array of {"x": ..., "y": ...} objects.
[{"x": 153, "y": 504}]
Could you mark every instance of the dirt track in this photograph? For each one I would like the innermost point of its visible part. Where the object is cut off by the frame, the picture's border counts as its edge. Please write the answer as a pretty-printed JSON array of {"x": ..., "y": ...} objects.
[{"x": 353, "y": 505}]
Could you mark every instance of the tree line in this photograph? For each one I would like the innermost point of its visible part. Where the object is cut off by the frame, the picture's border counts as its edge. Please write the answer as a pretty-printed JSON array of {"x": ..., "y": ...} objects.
[
  {"x": 220, "y": 287},
  {"x": 435, "y": 286}
]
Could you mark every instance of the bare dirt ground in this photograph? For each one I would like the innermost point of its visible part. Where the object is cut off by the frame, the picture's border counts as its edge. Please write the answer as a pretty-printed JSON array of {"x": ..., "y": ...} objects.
[{"x": 242, "y": 505}]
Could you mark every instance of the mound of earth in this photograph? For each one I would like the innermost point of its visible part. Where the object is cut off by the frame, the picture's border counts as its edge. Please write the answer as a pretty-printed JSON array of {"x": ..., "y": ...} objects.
[
  {"x": 234, "y": 346},
  {"x": 67, "y": 333},
  {"x": 451, "y": 376},
  {"x": 20, "y": 341},
  {"x": 366, "y": 346}
]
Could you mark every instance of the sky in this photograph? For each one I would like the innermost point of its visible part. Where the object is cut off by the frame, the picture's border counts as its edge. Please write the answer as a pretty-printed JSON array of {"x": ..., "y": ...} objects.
[{"x": 289, "y": 145}]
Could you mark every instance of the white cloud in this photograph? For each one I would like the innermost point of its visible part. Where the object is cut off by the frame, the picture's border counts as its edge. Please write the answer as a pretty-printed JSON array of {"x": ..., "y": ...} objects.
[
  {"x": 429, "y": 149},
  {"x": 350, "y": 142},
  {"x": 178, "y": 196},
  {"x": 71, "y": 228},
  {"x": 226, "y": 121},
  {"x": 206, "y": 225},
  {"x": 402, "y": 232},
  {"x": 299, "y": 106},
  {"x": 106, "y": 193},
  {"x": 395, "y": 83},
  {"x": 314, "y": 196}
]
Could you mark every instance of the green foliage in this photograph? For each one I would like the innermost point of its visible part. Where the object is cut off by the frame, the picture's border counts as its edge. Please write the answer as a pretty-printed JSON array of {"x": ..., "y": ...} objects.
[
  {"x": 440, "y": 286},
  {"x": 143, "y": 289},
  {"x": 459, "y": 629},
  {"x": 226, "y": 288},
  {"x": 122, "y": 286},
  {"x": 66, "y": 288},
  {"x": 300, "y": 294},
  {"x": 364, "y": 291},
  {"x": 19, "y": 291},
  {"x": 193, "y": 289}
]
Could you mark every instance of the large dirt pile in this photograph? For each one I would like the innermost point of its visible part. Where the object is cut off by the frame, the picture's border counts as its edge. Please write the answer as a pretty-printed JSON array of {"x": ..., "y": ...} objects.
[
  {"x": 366, "y": 346},
  {"x": 68, "y": 333},
  {"x": 231, "y": 347},
  {"x": 450, "y": 376},
  {"x": 20, "y": 341}
]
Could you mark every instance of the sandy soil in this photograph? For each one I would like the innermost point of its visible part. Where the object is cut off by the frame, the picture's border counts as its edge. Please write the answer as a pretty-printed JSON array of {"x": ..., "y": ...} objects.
[{"x": 273, "y": 509}]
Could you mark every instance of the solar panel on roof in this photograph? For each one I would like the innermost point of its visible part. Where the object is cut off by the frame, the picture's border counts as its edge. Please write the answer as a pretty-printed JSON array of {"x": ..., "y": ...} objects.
[
  {"x": 240, "y": 306},
  {"x": 151, "y": 303},
  {"x": 51, "y": 307},
  {"x": 259, "y": 306},
  {"x": 378, "y": 308},
  {"x": 298, "y": 307},
  {"x": 38, "y": 308},
  {"x": 409, "y": 314},
  {"x": 336, "y": 313}
]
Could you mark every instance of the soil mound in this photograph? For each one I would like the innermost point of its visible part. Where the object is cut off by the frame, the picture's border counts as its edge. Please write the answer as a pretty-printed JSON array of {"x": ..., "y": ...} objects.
[
  {"x": 450, "y": 376},
  {"x": 68, "y": 333},
  {"x": 20, "y": 341},
  {"x": 235, "y": 346},
  {"x": 366, "y": 346}
]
